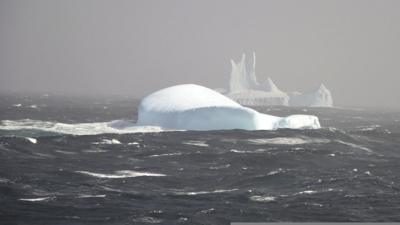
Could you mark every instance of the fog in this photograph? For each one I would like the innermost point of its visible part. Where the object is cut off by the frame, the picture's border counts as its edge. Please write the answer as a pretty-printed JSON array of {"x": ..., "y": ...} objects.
[{"x": 132, "y": 48}]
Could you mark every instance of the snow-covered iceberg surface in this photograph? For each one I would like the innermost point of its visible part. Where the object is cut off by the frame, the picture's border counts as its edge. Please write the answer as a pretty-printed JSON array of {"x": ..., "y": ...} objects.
[
  {"x": 194, "y": 107},
  {"x": 245, "y": 89}
]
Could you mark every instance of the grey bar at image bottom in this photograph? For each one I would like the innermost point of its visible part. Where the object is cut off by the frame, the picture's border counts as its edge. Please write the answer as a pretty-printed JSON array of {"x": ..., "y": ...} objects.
[{"x": 315, "y": 223}]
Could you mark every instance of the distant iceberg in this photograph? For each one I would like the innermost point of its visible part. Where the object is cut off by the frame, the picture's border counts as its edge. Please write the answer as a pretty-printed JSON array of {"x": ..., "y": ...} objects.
[
  {"x": 321, "y": 97},
  {"x": 194, "y": 107},
  {"x": 245, "y": 89}
]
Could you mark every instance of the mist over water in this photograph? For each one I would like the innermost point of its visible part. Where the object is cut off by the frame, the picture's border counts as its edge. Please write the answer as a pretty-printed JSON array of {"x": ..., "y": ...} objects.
[{"x": 136, "y": 47}]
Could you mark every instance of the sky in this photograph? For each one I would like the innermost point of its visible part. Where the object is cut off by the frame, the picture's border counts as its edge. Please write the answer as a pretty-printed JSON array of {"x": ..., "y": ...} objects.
[{"x": 116, "y": 47}]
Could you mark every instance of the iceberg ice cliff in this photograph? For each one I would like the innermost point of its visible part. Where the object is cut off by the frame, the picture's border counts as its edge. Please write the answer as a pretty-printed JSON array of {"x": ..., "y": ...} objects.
[
  {"x": 194, "y": 107},
  {"x": 245, "y": 89}
]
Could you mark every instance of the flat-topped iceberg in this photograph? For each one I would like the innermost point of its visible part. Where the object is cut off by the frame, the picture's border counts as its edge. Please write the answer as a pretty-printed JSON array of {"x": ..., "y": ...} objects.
[{"x": 194, "y": 107}]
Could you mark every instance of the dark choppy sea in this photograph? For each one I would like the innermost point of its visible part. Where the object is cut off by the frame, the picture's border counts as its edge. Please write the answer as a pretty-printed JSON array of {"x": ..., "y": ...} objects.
[{"x": 54, "y": 172}]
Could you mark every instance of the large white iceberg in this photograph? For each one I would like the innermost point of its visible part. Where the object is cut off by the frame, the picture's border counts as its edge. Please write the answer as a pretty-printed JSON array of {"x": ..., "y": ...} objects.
[
  {"x": 194, "y": 107},
  {"x": 245, "y": 89}
]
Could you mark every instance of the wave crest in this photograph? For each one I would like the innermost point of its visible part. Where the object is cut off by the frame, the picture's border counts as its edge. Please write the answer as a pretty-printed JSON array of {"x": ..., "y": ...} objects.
[{"x": 115, "y": 126}]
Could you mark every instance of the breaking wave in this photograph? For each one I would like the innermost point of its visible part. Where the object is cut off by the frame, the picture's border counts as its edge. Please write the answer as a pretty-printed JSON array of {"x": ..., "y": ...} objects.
[
  {"x": 35, "y": 199},
  {"x": 205, "y": 192},
  {"x": 115, "y": 126},
  {"x": 286, "y": 141},
  {"x": 121, "y": 174}
]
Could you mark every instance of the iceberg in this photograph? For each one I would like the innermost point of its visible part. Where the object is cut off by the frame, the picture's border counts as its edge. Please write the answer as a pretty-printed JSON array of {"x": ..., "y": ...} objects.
[
  {"x": 321, "y": 97},
  {"x": 245, "y": 89},
  {"x": 181, "y": 107},
  {"x": 194, "y": 107}
]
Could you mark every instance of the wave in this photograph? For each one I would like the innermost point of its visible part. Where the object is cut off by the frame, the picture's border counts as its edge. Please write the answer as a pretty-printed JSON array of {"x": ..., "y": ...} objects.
[
  {"x": 258, "y": 198},
  {"x": 32, "y": 140},
  {"x": 205, "y": 192},
  {"x": 249, "y": 151},
  {"x": 122, "y": 174},
  {"x": 166, "y": 154},
  {"x": 196, "y": 143},
  {"x": 368, "y": 128},
  {"x": 355, "y": 146},
  {"x": 115, "y": 126},
  {"x": 36, "y": 128},
  {"x": 273, "y": 172},
  {"x": 269, "y": 198},
  {"x": 146, "y": 219},
  {"x": 108, "y": 142},
  {"x": 35, "y": 199},
  {"x": 287, "y": 141},
  {"x": 91, "y": 196}
]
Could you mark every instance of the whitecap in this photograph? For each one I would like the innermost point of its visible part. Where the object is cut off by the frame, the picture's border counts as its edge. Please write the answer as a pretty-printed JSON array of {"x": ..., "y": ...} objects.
[
  {"x": 35, "y": 199},
  {"x": 229, "y": 140},
  {"x": 273, "y": 172},
  {"x": 286, "y": 141},
  {"x": 133, "y": 143},
  {"x": 205, "y": 192},
  {"x": 108, "y": 142},
  {"x": 91, "y": 196},
  {"x": 368, "y": 128},
  {"x": 258, "y": 198},
  {"x": 313, "y": 204},
  {"x": 166, "y": 154},
  {"x": 121, "y": 174},
  {"x": 355, "y": 146},
  {"x": 310, "y": 192},
  {"x": 249, "y": 151},
  {"x": 147, "y": 219},
  {"x": 94, "y": 150},
  {"x": 206, "y": 211},
  {"x": 239, "y": 151},
  {"x": 196, "y": 143},
  {"x": 116, "y": 126},
  {"x": 66, "y": 152},
  {"x": 307, "y": 192},
  {"x": 4, "y": 180},
  {"x": 220, "y": 167},
  {"x": 32, "y": 140},
  {"x": 183, "y": 219}
]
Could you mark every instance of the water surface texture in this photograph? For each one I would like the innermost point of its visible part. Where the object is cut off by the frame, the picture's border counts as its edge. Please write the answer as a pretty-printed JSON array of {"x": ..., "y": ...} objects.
[{"x": 347, "y": 171}]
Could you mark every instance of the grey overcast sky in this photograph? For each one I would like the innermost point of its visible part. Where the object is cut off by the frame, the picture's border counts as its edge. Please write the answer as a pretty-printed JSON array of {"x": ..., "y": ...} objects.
[{"x": 90, "y": 47}]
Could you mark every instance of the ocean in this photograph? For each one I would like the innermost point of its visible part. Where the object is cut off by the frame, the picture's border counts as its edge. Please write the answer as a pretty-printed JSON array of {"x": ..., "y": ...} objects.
[{"x": 61, "y": 163}]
